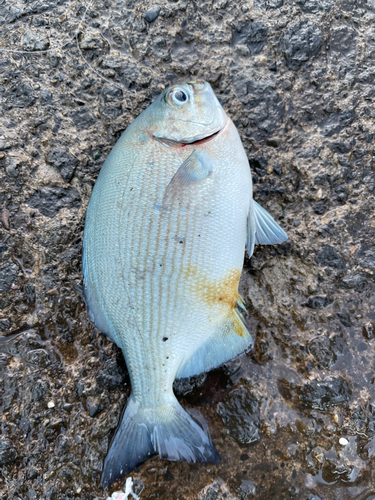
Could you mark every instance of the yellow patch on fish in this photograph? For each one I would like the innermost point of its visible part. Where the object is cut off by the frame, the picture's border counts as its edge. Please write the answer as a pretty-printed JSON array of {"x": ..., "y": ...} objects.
[{"x": 222, "y": 293}]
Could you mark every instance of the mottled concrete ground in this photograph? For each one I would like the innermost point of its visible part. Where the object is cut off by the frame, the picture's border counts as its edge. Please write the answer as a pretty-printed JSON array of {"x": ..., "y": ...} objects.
[{"x": 294, "y": 419}]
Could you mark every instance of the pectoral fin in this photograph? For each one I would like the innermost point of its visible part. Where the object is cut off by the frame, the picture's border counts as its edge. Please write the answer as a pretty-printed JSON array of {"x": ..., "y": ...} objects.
[
  {"x": 262, "y": 229},
  {"x": 195, "y": 169}
]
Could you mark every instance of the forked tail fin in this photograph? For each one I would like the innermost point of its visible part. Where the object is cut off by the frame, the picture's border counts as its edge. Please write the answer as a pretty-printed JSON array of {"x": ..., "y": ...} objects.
[{"x": 169, "y": 431}]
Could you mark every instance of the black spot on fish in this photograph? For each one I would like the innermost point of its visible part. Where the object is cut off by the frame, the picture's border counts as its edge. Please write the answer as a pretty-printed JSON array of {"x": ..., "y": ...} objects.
[{"x": 165, "y": 339}]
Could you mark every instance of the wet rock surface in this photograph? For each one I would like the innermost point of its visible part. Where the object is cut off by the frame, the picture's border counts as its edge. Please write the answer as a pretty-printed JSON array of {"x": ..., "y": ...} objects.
[
  {"x": 240, "y": 415},
  {"x": 294, "y": 418}
]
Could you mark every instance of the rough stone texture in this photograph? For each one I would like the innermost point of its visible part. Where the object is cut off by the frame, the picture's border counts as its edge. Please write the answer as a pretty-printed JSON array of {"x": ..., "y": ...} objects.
[
  {"x": 48, "y": 201},
  {"x": 64, "y": 161},
  {"x": 297, "y": 77},
  {"x": 34, "y": 41},
  {"x": 240, "y": 415},
  {"x": 8, "y": 453},
  {"x": 301, "y": 42},
  {"x": 216, "y": 491}
]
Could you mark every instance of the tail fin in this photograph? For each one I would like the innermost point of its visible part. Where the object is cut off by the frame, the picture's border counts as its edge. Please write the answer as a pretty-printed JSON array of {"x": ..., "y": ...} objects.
[
  {"x": 169, "y": 431},
  {"x": 130, "y": 446}
]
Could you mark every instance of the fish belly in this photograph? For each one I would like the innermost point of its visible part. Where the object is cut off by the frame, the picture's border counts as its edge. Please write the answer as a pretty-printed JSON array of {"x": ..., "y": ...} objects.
[{"x": 165, "y": 278}]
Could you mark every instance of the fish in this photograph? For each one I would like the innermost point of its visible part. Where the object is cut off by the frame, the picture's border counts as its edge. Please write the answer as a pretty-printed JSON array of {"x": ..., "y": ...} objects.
[{"x": 164, "y": 242}]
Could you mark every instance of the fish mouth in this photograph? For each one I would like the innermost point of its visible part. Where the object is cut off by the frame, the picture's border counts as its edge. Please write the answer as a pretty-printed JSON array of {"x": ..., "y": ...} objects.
[{"x": 190, "y": 141}]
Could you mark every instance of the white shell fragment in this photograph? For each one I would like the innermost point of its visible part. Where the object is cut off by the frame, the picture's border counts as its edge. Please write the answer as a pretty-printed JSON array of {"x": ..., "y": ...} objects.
[
  {"x": 120, "y": 495},
  {"x": 343, "y": 441}
]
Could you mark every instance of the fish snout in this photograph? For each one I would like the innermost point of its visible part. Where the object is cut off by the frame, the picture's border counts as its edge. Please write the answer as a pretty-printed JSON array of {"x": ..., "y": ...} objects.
[{"x": 207, "y": 106}]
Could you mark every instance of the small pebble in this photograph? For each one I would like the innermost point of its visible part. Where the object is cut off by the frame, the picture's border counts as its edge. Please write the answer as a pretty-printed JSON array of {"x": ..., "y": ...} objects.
[
  {"x": 51, "y": 404},
  {"x": 77, "y": 439},
  {"x": 4, "y": 219},
  {"x": 343, "y": 441},
  {"x": 243, "y": 50},
  {"x": 152, "y": 13}
]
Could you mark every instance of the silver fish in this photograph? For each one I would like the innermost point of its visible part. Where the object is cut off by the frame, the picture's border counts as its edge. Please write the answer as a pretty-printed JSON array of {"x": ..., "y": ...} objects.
[{"x": 164, "y": 245}]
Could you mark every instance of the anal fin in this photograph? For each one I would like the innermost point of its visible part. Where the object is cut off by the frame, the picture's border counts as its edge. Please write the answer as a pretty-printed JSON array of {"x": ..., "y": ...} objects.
[{"x": 231, "y": 340}]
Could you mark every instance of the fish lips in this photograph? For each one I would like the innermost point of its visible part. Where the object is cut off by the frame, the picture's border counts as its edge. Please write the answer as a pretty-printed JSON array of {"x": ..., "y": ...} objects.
[{"x": 196, "y": 140}]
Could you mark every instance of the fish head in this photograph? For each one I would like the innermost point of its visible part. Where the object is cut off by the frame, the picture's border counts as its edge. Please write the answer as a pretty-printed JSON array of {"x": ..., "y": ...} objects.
[{"x": 187, "y": 113}]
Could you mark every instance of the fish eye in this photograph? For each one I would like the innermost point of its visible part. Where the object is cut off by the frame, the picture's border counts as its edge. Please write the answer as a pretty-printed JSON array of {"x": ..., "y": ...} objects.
[{"x": 177, "y": 97}]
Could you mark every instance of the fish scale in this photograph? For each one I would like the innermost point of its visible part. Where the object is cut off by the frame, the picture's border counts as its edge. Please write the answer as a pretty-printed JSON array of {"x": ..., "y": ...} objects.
[{"x": 164, "y": 243}]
